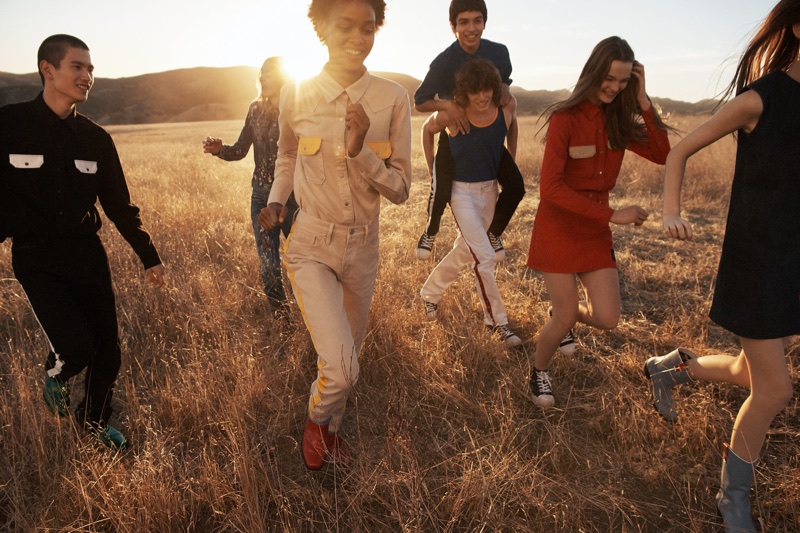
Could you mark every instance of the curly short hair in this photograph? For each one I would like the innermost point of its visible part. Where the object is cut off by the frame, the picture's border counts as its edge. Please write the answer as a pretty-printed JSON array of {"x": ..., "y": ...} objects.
[
  {"x": 475, "y": 76},
  {"x": 320, "y": 10}
]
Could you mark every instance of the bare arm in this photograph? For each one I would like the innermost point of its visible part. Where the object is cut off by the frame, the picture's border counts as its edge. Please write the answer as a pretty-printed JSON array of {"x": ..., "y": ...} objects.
[
  {"x": 742, "y": 113},
  {"x": 458, "y": 118}
]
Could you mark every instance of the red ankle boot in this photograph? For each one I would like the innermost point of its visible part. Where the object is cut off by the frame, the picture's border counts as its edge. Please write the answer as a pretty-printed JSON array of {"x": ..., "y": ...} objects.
[
  {"x": 316, "y": 443},
  {"x": 319, "y": 445}
]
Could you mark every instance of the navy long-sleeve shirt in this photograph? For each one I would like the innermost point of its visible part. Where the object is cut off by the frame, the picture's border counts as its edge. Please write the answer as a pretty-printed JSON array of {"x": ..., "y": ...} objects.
[{"x": 441, "y": 77}]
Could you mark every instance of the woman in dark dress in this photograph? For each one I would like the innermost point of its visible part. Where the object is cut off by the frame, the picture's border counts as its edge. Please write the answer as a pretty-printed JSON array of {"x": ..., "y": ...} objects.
[{"x": 757, "y": 294}]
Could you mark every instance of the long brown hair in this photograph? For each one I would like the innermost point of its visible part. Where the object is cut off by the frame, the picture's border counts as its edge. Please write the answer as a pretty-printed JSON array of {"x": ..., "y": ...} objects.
[
  {"x": 774, "y": 47},
  {"x": 623, "y": 122}
]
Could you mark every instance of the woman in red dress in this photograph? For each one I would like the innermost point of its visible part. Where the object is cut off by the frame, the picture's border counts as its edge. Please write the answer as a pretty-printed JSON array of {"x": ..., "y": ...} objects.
[{"x": 607, "y": 113}]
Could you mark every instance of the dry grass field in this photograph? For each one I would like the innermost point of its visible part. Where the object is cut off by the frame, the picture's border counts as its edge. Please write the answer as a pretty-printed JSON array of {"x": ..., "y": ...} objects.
[{"x": 213, "y": 392}]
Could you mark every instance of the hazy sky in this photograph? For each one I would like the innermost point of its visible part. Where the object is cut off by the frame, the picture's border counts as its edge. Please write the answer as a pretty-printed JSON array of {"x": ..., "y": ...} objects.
[{"x": 686, "y": 46}]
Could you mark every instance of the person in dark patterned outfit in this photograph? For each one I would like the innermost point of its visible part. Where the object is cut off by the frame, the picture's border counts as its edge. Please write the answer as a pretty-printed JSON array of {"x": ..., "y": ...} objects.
[{"x": 261, "y": 131}]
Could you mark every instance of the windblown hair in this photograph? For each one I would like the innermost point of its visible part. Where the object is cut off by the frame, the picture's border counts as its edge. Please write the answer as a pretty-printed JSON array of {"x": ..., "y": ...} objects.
[
  {"x": 320, "y": 10},
  {"x": 459, "y": 6},
  {"x": 54, "y": 49},
  {"x": 623, "y": 122},
  {"x": 774, "y": 47},
  {"x": 474, "y": 76}
]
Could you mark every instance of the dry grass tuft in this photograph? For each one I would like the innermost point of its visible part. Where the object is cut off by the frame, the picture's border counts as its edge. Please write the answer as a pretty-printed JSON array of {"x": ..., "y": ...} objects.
[{"x": 213, "y": 392}]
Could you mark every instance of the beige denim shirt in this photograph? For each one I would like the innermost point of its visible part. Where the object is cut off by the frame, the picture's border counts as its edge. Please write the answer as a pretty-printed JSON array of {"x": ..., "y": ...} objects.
[{"x": 312, "y": 159}]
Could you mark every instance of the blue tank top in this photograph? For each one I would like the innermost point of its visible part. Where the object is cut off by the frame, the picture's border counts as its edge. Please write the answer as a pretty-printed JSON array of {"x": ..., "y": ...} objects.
[{"x": 477, "y": 154}]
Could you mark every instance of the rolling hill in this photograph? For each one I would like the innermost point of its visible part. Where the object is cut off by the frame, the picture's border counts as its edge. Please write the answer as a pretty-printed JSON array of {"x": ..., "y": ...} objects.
[{"x": 206, "y": 93}]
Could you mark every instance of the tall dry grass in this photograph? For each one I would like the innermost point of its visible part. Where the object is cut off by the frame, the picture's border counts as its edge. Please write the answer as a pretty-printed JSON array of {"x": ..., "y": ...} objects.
[{"x": 213, "y": 392}]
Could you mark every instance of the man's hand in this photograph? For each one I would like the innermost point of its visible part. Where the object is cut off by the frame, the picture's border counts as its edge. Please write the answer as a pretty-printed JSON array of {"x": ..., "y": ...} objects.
[
  {"x": 458, "y": 117},
  {"x": 272, "y": 216},
  {"x": 155, "y": 275}
]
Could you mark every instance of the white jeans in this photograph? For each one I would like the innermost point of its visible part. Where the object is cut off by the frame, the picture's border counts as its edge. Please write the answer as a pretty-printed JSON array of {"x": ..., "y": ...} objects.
[{"x": 473, "y": 208}]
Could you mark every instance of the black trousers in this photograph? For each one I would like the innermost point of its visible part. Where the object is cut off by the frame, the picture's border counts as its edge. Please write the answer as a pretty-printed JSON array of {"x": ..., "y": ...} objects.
[
  {"x": 512, "y": 189},
  {"x": 68, "y": 285}
]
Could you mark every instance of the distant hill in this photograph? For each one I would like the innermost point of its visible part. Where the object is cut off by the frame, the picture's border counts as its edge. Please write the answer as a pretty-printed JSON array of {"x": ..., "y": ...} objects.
[{"x": 206, "y": 93}]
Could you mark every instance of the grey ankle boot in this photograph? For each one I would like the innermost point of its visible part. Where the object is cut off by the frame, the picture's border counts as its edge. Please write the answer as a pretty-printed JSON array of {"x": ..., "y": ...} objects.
[
  {"x": 664, "y": 373},
  {"x": 733, "y": 498}
]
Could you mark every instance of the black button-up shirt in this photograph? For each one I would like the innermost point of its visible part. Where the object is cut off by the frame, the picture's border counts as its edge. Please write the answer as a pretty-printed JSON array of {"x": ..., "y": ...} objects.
[{"x": 53, "y": 171}]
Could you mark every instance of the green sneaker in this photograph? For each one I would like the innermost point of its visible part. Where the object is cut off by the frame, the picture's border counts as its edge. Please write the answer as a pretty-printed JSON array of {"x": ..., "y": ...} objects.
[
  {"x": 56, "y": 395},
  {"x": 112, "y": 438}
]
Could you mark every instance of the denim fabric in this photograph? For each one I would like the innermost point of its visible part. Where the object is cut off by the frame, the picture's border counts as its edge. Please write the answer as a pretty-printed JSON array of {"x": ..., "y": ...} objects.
[{"x": 268, "y": 245}]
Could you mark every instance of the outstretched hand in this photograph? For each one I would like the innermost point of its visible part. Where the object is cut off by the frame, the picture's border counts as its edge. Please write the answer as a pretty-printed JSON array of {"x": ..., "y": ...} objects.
[
  {"x": 212, "y": 145},
  {"x": 677, "y": 227},
  {"x": 272, "y": 216}
]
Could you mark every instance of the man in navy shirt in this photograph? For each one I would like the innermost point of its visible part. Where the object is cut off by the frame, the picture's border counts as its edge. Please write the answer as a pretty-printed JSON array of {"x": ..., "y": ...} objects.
[
  {"x": 54, "y": 165},
  {"x": 435, "y": 93}
]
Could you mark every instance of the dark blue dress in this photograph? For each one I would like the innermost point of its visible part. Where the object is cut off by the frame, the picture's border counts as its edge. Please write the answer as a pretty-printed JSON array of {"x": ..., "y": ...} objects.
[{"x": 757, "y": 292}]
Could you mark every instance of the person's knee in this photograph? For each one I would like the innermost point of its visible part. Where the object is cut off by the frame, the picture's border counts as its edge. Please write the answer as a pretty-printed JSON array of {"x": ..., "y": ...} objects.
[
  {"x": 783, "y": 394},
  {"x": 607, "y": 320}
]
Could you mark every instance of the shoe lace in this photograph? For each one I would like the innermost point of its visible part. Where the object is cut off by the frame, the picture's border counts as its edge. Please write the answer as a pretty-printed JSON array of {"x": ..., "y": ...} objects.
[
  {"x": 425, "y": 241},
  {"x": 504, "y": 332},
  {"x": 543, "y": 383},
  {"x": 431, "y": 307}
]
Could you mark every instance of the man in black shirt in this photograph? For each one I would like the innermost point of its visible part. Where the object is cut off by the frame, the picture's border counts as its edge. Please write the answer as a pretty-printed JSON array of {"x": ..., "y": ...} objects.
[{"x": 54, "y": 165}]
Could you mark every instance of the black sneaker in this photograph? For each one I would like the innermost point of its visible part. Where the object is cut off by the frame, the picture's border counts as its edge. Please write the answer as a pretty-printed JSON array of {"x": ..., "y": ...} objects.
[
  {"x": 508, "y": 337},
  {"x": 425, "y": 246},
  {"x": 541, "y": 388},
  {"x": 497, "y": 246},
  {"x": 431, "y": 310},
  {"x": 567, "y": 344}
]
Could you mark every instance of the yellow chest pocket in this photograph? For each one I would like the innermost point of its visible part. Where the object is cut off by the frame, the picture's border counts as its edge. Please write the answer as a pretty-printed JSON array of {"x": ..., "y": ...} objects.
[
  {"x": 308, "y": 145},
  {"x": 383, "y": 149}
]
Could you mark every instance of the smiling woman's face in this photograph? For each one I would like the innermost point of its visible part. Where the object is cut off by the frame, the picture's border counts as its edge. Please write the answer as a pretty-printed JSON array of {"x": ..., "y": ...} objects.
[{"x": 350, "y": 34}]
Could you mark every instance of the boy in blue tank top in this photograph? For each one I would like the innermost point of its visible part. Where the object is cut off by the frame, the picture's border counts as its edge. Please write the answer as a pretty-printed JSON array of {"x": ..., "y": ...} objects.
[
  {"x": 467, "y": 20},
  {"x": 476, "y": 157}
]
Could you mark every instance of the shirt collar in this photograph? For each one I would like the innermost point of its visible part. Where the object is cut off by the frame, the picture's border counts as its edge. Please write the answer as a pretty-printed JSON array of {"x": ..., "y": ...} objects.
[
  {"x": 44, "y": 110},
  {"x": 331, "y": 89},
  {"x": 589, "y": 109}
]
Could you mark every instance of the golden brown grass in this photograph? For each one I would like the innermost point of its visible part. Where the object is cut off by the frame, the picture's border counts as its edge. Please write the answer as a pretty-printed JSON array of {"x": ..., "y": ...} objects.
[{"x": 212, "y": 394}]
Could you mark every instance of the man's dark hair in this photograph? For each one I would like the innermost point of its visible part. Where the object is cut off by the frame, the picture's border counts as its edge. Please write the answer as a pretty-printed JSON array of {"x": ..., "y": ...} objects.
[
  {"x": 459, "y": 6},
  {"x": 54, "y": 49}
]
